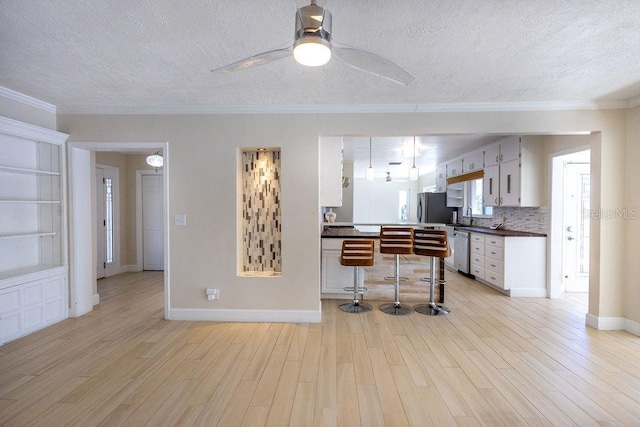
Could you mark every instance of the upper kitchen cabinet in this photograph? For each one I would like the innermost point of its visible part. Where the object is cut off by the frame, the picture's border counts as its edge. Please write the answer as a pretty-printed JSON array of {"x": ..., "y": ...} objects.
[
  {"x": 331, "y": 171},
  {"x": 473, "y": 161},
  {"x": 454, "y": 167},
  {"x": 441, "y": 178},
  {"x": 512, "y": 174}
]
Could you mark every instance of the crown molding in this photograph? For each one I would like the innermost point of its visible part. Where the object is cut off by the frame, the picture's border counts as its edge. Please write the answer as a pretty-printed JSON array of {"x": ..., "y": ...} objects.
[
  {"x": 355, "y": 109},
  {"x": 24, "y": 130},
  {"x": 634, "y": 102},
  {"x": 27, "y": 100}
]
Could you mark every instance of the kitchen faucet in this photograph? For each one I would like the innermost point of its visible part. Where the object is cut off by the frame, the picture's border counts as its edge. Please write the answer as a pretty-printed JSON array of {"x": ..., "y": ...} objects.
[{"x": 470, "y": 213}]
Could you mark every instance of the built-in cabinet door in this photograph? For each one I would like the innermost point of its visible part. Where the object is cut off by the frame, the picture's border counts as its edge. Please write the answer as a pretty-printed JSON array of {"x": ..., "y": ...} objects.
[
  {"x": 441, "y": 179},
  {"x": 491, "y": 186},
  {"x": 492, "y": 155},
  {"x": 454, "y": 167},
  {"x": 473, "y": 161},
  {"x": 510, "y": 183},
  {"x": 510, "y": 150}
]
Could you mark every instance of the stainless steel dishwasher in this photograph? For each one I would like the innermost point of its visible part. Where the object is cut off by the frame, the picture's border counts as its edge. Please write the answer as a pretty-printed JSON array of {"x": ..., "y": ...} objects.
[{"x": 461, "y": 255}]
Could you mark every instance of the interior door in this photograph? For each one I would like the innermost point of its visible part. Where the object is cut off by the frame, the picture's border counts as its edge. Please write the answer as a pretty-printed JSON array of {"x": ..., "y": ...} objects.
[
  {"x": 577, "y": 194},
  {"x": 101, "y": 253},
  {"x": 152, "y": 233}
]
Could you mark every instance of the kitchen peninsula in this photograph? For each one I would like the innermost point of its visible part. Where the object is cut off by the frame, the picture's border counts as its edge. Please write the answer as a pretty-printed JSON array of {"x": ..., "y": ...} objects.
[
  {"x": 512, "y": 262},
  {"x": 335, "y": 276}
]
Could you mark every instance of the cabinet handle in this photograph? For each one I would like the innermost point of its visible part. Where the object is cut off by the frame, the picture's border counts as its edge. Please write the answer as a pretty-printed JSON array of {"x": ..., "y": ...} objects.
[
  {"x": 496, "y": 200},
  {"x": 501, "y": 157},
  {"x": 500, "y": 200},
  {"x": 497, "y": 159}
]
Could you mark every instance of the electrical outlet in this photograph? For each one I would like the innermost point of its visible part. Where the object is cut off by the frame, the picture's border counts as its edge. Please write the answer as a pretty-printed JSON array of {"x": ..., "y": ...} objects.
[{"x": 213, "y": 294}]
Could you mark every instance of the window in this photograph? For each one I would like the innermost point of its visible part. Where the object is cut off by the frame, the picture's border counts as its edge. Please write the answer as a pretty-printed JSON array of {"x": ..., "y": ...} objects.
[
  {"x": 403, "y": 208},
  {"x": 108, "y": 183},
  {"x": 473, "y": 199}
]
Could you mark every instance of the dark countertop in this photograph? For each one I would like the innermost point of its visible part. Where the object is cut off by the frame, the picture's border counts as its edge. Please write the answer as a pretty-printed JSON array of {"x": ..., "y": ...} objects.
[
  {"x": 350, "y": 232},
  {"x": 501, "y": 232}
]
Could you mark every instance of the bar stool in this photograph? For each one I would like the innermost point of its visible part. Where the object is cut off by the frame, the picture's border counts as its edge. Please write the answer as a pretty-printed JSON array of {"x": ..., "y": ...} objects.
[
  {"x": 397, "y": 241},
  {"x": 356, "y": 253},
  {"x": 434, "y": 244}
]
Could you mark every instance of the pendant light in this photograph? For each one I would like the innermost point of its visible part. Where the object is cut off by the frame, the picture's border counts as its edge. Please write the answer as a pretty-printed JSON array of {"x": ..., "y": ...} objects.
[
  {"x": 413, "y": 172},
  {"x": 155, "y": 160},
  {"x": 370, "y": 171}
]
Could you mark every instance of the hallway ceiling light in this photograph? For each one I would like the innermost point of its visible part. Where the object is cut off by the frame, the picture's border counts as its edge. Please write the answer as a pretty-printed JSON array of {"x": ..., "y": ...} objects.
[
  {"x": 370, "y": 171},
  {"x": 155, "y": 160},
  {"x": 413, "y": 172}
]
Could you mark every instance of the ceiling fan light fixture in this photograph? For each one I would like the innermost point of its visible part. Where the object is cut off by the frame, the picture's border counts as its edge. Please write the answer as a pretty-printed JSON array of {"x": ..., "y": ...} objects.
[
  {"x": 155, "y": 160},
  {"x": 312, "y": 51}
]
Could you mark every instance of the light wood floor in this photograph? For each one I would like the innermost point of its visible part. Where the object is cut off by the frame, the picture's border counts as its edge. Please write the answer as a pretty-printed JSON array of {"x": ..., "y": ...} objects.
[{"x": 493, "y": 361}]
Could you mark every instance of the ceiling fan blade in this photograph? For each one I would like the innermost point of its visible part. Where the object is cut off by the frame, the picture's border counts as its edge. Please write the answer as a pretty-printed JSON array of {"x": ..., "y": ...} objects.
[
  {"x": 256, "y": 60},
  {"x": 372, "y": 64}
]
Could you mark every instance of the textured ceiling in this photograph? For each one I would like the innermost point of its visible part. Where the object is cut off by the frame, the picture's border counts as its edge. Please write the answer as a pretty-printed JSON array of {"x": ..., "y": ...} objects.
[{"x": 157, "y": 54}]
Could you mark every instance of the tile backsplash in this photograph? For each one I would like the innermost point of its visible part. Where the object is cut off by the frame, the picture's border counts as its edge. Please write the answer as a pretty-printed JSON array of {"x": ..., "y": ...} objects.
[{"x": 535, "y": 220}]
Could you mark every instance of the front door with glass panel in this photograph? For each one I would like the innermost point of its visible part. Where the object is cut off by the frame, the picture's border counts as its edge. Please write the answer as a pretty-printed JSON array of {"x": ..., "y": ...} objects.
[
  {"x": 106, "y": 214},
  {"x": 577, "y": 188}
]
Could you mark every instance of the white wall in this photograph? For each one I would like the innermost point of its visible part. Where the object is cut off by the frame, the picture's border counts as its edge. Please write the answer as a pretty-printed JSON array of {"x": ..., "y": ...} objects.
[
  {"x": 378, "y": 201},
  {"x": 202, "y": 185}
]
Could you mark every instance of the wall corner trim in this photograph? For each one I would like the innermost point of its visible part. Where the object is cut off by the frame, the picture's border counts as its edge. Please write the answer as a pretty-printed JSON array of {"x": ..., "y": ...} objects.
[
  {"x": 613, "y": 324},
  {"x": 238, "y": 315}
]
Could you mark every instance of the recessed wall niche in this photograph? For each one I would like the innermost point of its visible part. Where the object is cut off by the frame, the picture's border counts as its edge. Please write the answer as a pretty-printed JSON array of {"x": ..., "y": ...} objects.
[{"x": 261, "y": 214}]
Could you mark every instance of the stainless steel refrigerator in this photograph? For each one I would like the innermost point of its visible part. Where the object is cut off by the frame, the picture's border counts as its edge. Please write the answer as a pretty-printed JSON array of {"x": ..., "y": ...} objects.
[{"x": 432, "y": 207}]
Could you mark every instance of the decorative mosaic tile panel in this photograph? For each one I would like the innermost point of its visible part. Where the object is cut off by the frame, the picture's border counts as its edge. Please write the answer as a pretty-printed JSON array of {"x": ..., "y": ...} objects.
[{"x": 261, "y": 213}]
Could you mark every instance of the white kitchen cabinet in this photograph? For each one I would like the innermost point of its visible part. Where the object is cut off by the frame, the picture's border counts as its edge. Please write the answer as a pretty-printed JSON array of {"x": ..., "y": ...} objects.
[
  {"x": 513, "y": 264},
  {"x": 454, "y": 167},
  {"x": 510, "y": 183},
  {"x": 32, "y": 225},
  {"x": 473, "y": 161},
  {"x": 491, "y": 186},
  {"x": 513, "y": 173},
  {"x": 335, "y": 276},
  {"x": 441, "y": 178},
  {"x": 476, "y": 255},
  {"x": 331, "y": 171}
]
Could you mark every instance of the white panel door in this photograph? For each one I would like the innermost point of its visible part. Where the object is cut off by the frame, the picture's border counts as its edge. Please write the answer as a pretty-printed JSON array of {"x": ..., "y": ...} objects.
[{"x": 152, "y": 235}]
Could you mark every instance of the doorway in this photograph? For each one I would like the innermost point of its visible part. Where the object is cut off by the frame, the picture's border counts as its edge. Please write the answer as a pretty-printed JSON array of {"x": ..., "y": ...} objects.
[
  {"x": 570, "y": 228},
  {"x": 82, "y": 200}
]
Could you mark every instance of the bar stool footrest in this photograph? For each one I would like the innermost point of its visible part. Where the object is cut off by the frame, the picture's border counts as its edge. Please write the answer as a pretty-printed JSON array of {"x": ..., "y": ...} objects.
[
  {"x": 431, "y": 309},
  {"x": 360, "y": 289},
  {"x": 402, "y": 279},
  {"x": 396, "y": 309}
]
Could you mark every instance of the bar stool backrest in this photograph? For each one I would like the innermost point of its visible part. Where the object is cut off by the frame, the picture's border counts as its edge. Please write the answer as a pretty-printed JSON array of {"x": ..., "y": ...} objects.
[
  {"x": 357, "y": 253},
  {"x": 396, "y": 240},
  {"x": 431, "y": 243}
]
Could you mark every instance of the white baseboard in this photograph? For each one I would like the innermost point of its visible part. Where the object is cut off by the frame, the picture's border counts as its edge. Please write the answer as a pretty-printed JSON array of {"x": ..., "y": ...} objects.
[
  {"x": 613, "y": 324},
  {"x": 237, "y": 315},
  {"x": 96, "y": 299}
]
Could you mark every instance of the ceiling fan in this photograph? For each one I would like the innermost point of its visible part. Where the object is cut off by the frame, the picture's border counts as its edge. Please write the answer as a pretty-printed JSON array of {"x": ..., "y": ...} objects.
[{"x": 313, "y": 46}]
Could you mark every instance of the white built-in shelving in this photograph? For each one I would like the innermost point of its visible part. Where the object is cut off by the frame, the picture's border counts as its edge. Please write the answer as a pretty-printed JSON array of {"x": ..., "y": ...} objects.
[{"x": 33, "y": 247}]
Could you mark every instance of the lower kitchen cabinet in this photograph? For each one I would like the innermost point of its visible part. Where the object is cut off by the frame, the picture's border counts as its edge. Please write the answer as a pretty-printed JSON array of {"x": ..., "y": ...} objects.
[
  {"x": 514, "y": 265},
  {"x": 334, "y": 275}
]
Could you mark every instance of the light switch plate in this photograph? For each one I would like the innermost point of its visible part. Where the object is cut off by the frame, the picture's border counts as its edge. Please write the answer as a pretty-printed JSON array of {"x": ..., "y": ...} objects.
[{"x": 180, "y": 220}]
